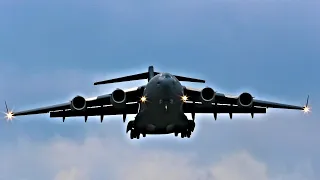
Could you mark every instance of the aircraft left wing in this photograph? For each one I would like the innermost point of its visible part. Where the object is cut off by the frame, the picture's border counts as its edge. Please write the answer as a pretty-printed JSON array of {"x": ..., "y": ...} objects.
[
  {"x": 132, "y": 95},
  {"x": 219, "y": 99},
  {"x": 189, "y": 107}
]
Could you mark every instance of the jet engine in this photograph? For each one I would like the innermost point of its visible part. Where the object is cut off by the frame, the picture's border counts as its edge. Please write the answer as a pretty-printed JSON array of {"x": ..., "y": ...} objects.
[
  {"x": 118, "y": 98},
  {"x": 245, "y": 100},
  {"x": 78, "y": 103},
  {"x": 207, "y": 95}
]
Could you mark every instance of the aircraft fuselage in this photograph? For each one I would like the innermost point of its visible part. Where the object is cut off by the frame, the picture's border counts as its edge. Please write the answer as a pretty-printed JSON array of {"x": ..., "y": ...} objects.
[{"x": 162, "y": 112}]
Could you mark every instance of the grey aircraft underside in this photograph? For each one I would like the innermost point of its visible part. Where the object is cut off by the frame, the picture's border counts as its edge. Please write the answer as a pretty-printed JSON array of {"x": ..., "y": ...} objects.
[{"x": 160, "y": 105}]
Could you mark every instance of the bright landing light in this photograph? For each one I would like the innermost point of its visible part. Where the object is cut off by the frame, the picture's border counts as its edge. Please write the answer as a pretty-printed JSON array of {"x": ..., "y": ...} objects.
[
  {"x": 184, "y": 98},
  {"x": 143, "y": 99},
  {"x": 9, "y": 115},
  {"x": 306, "y": 109}
]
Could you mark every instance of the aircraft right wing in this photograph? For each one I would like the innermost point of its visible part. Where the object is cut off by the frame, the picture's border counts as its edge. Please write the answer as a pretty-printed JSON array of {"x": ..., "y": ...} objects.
[
  {"x": 96, "y": 111},
  {"x": 132, "y": 108},
  {"x": 132, "y": 95}
]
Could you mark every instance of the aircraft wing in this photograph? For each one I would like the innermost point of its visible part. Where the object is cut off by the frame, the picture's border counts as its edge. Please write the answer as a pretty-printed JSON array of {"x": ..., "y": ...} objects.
[
  {"x": 98, "y": 111},
  {"x": 133, "y": 95},
  {"x": 194, "y": 95},
  {"x": 190, "y": 107}
]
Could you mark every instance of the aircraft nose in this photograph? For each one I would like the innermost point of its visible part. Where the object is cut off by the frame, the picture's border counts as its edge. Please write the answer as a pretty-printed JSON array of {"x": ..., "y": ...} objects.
[
  {"x": 165, "y": 87},
  {"x": 166, "y": 83}
]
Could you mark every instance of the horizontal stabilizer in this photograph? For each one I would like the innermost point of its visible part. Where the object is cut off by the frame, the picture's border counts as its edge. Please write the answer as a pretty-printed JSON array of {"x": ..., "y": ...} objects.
[
  {"x": 125, "y": 78},
  {"x": 146, "y": 75},
  {"x": 187, "y": 79}
]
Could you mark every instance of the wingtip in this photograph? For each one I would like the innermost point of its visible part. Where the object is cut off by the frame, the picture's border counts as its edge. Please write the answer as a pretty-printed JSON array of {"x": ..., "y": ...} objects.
[{"x": 306, "y": 108}]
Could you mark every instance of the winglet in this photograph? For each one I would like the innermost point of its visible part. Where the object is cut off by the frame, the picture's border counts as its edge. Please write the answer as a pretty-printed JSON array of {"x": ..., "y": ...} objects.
[
  {"x": 307, "y": 103},
  {"x": 306, "y": 108},
  {"x": 6, "y": 106}
]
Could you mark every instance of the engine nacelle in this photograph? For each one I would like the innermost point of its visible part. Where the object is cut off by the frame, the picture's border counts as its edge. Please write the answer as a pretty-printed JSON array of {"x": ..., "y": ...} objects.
[
  {"x": 118, "y": 98},
  {"x": 78, "y": 103},
  {"x": 245, "y": 100},
  {"x": 207, "y": 95}
]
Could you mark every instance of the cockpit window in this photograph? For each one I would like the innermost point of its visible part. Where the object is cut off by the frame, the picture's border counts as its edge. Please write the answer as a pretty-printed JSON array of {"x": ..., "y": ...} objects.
[{"x": 167, "y": 76}]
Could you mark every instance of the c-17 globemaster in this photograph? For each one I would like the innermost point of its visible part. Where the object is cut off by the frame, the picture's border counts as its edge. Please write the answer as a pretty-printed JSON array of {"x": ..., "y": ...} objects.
[{"x": 160, "y": 105}]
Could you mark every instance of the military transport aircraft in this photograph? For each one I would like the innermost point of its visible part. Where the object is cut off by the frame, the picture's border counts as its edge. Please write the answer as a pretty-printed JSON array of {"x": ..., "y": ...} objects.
[{"x": 159, "y": 105}]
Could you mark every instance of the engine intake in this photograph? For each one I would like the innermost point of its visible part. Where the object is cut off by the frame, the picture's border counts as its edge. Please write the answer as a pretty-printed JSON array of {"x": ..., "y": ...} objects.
[
  {"x": 207, "y": 95},
  {"x": 118, "y": 98},
  {"x": 245, "y": 100},
  {"x": 78, "y": 103}
]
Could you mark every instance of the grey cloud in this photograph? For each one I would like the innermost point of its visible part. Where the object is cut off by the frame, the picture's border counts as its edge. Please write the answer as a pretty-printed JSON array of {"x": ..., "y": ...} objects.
[
  {"x": 72, "y": 174},
  {"x": 102, "y": 158}
]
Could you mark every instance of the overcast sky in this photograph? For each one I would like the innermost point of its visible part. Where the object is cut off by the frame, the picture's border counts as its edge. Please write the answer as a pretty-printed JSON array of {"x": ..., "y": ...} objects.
[{"x": 51, "y": 51}]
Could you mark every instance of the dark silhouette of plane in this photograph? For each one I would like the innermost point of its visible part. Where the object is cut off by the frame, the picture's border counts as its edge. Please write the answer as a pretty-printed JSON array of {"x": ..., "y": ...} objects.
[{"x": 159, "y": 105}]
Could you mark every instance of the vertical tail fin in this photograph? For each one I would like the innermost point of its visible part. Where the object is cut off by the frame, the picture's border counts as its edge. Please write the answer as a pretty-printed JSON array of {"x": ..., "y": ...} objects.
[{"x": 150, "y": 73}]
